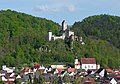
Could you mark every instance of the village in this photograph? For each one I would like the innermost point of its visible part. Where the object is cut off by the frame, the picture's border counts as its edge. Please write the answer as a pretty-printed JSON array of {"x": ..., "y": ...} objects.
[{"x": 83, "y": 71}]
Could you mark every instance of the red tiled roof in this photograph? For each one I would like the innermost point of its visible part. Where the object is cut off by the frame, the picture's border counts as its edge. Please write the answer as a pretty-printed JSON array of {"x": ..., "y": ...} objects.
[
  {"x": 36, "y": 66},
  {"x": 10, "y": 67},
  {"x": 118, "y": 76},
  {"x": 109, "y": 70},
  {"x": 71, "y": 70},
  {"x": 88, "y": 61},
  {"x": 117, "y": 72},
  {"x": 26, "y": 70},
  {"x": 7, "y": 76},
  {"x": 2, "y": 71},
  {"x": 59, "y": 70},
  {"x": 88, "y": 80}
]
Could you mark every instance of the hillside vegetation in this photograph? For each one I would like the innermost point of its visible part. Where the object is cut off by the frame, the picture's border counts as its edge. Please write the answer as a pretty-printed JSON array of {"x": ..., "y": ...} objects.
[
  {"x": 21, "y": 35},
  {"x": 23, "y": 40},
  {"x": 104, "y": 27}
]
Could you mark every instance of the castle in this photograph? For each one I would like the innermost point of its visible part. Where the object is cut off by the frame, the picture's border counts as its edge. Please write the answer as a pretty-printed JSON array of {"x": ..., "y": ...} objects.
[{"x": 64, "y": 32}]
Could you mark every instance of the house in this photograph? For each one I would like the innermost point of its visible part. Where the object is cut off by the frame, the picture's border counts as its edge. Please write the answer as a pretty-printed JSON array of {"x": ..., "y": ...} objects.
[
  {"x": 27, "y": 77},
  {"x": 58, "y": 66},
  {"x": 37, "y": 67},
  {"x": 100, "y": 73},
  {"x": 71, "y": 71},
  {"x": 18, "y": 77},
  {"x": 108, "y": 80},
  {"x": 8, "y": 69},
  {"x": 88, "y": 80},
  {"x": 2, "y": 72},
  {"x": 9, "y": 78},
  {"x": 88, "y": 63},
  {"x": 113, "y": 81},
  {"x": 63, "y": 73},
  {"x": 109, "y": 71},
  {"x": 58, "y": 71},
  {"x": 27, "y": 70}
]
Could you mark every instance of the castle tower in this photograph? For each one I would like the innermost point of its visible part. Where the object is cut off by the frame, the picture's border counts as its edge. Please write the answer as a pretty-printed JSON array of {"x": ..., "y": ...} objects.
[
  {"x": 49, "y": 35},
  {"x": 64, "y": 25}
]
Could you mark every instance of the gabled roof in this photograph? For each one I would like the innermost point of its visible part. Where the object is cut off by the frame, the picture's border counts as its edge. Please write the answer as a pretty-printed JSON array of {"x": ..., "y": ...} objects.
[
  {"x": 10, "y": 67},
  {"x": 59, "y": 70},
  {"x": 88, "y": 61},
  {"x": 88, "y": 80},
  {"x": 2, "y": 71},
  {"x": 109, "y": 70},
  {"x": 7, "y": 76},
  {"x": 36, "y": 66},
  {"x": 71, "y": 70},
  {"x": 27, "y": 69}
]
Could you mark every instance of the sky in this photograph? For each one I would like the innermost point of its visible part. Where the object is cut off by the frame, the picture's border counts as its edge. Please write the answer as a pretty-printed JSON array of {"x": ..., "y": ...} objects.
[{"x": 59, "y": 10}]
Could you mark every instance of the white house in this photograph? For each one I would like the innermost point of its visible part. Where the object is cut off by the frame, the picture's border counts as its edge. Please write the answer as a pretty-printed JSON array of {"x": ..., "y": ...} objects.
[
  {"x": 58, "y": 66},
  {"x": 18, "y": 77},
  {"x": 8, "y": 69},
  {"x": 88, "y": 63},
  {"x": 113, "y": 81},
  {"x": 27, "y": 70},
  {"x": 9, "y": 77},
  {"x": 102, "y": 73}
]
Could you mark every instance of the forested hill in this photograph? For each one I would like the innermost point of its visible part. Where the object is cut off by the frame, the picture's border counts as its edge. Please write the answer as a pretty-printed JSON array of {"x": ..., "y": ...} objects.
[
  {"x": 104, "y": 27},
  {"x": 23, "y": 41},
  {"x": 21, "y": 34}
]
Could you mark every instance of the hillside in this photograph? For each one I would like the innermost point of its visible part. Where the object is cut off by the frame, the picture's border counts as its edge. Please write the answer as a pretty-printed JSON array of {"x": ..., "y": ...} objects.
[
  {"x": 23, "y": 40},
  {"x": 21, "y": 35},
  {"x": 104, "y": 27}
]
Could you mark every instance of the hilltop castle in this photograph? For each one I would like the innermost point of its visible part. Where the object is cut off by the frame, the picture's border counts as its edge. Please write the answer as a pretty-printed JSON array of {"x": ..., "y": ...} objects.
[{"x": 64, "y": 32}]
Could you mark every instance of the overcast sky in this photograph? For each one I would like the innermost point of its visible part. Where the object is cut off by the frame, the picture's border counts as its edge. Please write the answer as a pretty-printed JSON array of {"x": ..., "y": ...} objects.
[{"x": 57, "y": 10}]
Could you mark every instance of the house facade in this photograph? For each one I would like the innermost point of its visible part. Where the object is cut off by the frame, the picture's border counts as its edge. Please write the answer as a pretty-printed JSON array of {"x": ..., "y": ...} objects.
[{"x": 88, "y": 63}]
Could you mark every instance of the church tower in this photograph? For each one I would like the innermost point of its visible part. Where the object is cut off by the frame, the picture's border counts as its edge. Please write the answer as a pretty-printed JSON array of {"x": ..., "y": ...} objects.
[{"x": 76, "y": 63}]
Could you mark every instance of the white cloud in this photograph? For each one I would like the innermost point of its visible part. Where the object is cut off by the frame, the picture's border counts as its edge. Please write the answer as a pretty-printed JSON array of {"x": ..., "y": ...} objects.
[
  {"x": 71, "y": 8},
  {"x": 55, "y": 8},
  {"x": 45, "y": 8}
]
